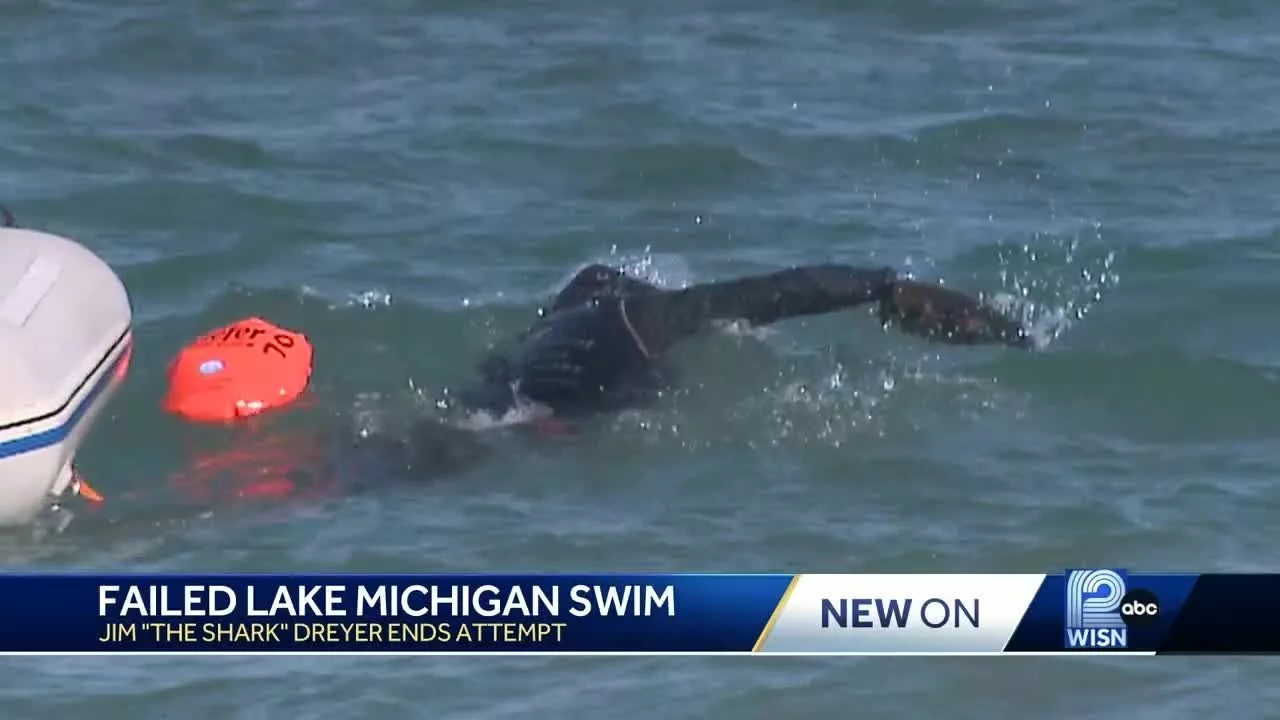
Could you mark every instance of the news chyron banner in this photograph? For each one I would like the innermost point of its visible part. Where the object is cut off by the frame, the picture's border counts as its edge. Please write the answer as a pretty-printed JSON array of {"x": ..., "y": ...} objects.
[{"x": 1079, "y": 611}]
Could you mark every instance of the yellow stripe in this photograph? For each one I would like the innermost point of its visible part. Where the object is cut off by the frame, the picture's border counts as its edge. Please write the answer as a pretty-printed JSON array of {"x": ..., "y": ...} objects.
[{"x": 777, "y": 612}]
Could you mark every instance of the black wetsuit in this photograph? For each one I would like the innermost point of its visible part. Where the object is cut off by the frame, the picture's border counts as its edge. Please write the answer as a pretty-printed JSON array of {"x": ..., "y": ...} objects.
[{"x": 599, "y": 345}]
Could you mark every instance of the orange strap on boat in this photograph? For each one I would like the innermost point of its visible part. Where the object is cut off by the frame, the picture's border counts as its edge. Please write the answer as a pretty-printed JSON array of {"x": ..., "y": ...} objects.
[
  {"x": 81, "y": 487},
  {"x": 239, "y": 370}
]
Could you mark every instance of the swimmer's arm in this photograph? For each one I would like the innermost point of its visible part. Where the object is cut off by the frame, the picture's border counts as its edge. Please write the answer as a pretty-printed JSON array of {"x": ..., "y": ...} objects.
[
  {"x": 664, "y": 318},
  {"x": 921, "y": 309}
]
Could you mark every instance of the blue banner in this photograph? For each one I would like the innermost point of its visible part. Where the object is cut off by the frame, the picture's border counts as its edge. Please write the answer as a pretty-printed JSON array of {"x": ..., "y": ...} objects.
[
  {"x": 1105, "y": 621},
  {"x": 1090, "y": 610},
  {"x": 386, "y": 613},
  {"x": 1165, "y": 614}
]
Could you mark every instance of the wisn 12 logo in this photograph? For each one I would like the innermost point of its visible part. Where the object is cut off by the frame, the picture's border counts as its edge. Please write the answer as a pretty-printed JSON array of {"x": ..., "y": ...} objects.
[{"x": 1101, "y": 609}]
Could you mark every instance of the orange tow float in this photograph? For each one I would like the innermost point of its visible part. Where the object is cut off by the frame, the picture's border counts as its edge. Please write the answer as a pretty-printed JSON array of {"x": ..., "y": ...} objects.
[{"x": 237, "y": 371}]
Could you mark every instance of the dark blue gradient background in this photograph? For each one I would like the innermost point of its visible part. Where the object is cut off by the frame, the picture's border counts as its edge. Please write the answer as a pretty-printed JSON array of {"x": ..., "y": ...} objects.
[{"x": 720, "y": 613}]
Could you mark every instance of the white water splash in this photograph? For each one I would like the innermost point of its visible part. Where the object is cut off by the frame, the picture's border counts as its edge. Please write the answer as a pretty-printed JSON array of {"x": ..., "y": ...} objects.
[
  {"x": 368, "y": 414},
  {"x": 1052, "y": 283},
  {"x": 742, "y": 328},
  {"x": 524, "y": 411},
  {"x": 662, "y": 269},
  {"x": 1043, "y": 324},
  {"x": 368, "y": 299}
]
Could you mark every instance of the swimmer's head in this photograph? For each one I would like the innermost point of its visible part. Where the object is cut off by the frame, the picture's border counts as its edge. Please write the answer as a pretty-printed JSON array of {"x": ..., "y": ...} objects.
[{"x": 599, "y": 281}]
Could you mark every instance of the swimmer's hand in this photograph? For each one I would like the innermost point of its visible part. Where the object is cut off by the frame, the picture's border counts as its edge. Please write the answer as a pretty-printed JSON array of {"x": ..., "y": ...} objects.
[{"x": 948, "y": 316}]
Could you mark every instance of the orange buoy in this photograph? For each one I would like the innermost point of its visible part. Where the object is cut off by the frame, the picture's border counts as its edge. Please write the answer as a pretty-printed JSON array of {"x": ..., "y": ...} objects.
[{"x": 237, "y": 371}]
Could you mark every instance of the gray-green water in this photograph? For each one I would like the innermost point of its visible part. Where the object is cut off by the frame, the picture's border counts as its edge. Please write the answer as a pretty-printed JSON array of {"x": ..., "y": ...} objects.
[{"x": 404, "y": 181}]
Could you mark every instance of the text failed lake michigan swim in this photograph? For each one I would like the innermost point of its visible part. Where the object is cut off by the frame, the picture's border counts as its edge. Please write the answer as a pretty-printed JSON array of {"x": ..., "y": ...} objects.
[{"x": 385, "y": 600}]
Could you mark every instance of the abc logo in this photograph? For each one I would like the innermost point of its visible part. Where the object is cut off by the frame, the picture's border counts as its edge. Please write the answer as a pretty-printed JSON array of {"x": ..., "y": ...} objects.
[{"x": 1139, "y": 608}]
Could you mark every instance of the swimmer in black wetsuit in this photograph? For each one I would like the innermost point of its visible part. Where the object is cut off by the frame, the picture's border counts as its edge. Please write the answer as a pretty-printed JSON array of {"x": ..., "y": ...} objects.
[
  {"x": 598, "y": 347},
  {"x": 599, "y": 344}
]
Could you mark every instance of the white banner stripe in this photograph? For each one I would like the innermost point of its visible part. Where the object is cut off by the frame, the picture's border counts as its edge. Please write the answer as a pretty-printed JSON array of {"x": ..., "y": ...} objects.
[{"x": 894, "y": 614}]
